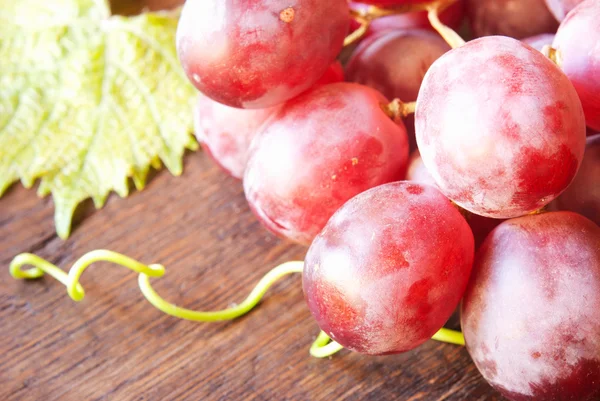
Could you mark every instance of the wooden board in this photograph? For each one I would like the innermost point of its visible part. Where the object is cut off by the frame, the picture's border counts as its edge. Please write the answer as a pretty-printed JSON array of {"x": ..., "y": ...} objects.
[{"x": 115, "y": 346}]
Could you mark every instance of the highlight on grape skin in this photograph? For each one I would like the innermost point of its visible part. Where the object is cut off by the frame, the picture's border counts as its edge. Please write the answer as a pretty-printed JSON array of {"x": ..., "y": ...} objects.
[
  {"x": 325, "y": 147},
  {"x": 389, "y": 268},
  {"x": 230, "y": 61},
  {"x": 531, "y": 313},
  {"x": 500, "y": 127}
]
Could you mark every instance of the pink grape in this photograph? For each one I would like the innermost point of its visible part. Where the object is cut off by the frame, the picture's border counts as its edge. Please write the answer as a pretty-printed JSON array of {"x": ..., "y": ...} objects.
[
  {"x": 499, "y": 127},
  {"x": 560, "y": 8},
  {"x": 531, "y": 313},
  {"x": 391, "y": 3},
  {"x": 258, "y": 54},
  {"x": 225, "y": 133},
  {"x": 451, "y": 16},
  {"x": 389, "y": 268},
  {"x": 539, "y": 41},
  {"x": 515, "y": 18},
  {"x": 579, "y": 56},
  {"x": 583, "y": 195},
  {"x": 326, "y": 146}
]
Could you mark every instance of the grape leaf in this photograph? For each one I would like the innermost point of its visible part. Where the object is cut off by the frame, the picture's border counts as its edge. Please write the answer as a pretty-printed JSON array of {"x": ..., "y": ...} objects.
[{"x": 88, "y": 99}]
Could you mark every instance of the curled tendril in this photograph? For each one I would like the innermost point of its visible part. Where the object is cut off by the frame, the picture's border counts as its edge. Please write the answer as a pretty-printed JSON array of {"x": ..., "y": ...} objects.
[{"x": 322, "y": 347}]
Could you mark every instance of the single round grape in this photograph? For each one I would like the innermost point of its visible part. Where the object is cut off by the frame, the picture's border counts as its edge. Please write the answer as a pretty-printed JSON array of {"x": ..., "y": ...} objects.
[
  {"x": 560, "y": 8},
  {"x": 389, "y": 268},
  {"x": 499, "y": 127},
  {"x": 579, "y": 56},
  {"x": 225, "y": 133},
  {"x": 539, "y": 41},
  {"x": 259, "y": 54},
  {"x": 451, "y": 16},
  {"x": 395, "y": 63},
  {"x": 531, "y": 313},
  {"x": 515, "y": 18},
  {"x": 583, "y": 195},
  {"x": 325, "y": 147}
]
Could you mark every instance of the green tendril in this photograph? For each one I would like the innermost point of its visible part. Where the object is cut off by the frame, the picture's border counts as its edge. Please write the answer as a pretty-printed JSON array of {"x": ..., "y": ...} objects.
[{"x": 323, "y": 347}]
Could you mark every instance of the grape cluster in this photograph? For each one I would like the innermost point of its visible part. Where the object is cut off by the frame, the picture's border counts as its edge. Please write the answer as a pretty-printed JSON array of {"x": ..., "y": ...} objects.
[{"x": 488, "y": 208}]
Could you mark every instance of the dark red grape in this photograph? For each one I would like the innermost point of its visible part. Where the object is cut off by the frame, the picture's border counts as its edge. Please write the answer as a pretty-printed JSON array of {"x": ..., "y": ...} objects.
[
  {"x": 257, "y": 54},
  {"x": 499, "y": 127},
  {"x": 515, "y": 18},
  {"x": 326, "y": 146},
  {"x": 389, "y": 268},
  {"x": 531, "y": 313},
  {"x": 560, "y": 8},
  {"x": 539, "y": 41},
  {"x": 583, "y": 195},
  {"x": 395, "y": 63},
  {"x": 579, "y": 56}
]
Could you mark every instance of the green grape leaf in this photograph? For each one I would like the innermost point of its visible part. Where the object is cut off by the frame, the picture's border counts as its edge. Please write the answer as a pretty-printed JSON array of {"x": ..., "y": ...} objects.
[{"x": 88, "y": 100}]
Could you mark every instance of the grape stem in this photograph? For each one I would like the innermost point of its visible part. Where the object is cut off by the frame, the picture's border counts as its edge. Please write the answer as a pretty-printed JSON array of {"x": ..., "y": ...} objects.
[
  {"x": 397, "y": 109},
  {"x": 553, "y": 54},
  {"x": 366, "y": 16},
  {"x": 447, "y": 33},
  {"x": 321, "y": 348}
]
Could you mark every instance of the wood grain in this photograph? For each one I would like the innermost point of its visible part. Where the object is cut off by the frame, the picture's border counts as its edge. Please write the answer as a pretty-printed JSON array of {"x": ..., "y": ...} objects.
[{"x": 115, "y": 346}]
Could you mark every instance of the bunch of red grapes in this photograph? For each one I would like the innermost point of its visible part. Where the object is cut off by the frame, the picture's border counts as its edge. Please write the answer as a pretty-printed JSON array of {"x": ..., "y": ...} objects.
[{"x": 498, "y": 206}]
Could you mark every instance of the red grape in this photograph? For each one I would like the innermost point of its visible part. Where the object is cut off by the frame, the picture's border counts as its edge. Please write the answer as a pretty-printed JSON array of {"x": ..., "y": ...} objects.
[
  {"x": 259, "y": 54},
  {"x": 583, "y": 195},
  {"x": 326, "y": 146},
  {"x": 395, "y": 63},
  {"x": 225, "y": 133},
  {"x": 392, "y": 3},
  {"x": 579, "y": 56},
  {"x": 531, "y": 313},
  {"x": 499, "y": 127},
  {"x": 451, "y": 16},
  {"x": 560, "y": 8},
  {"x": 516, "y": 18},
  {"x": 539, "y": 41},
  {"x": 389, "y": 268}
]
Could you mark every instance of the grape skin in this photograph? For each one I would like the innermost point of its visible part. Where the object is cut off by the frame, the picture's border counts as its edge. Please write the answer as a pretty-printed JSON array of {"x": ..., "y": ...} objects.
[
  {"x": 539, "y": 41},
  {"x": 579, "y": 56},
  {"x": 225, "y": 133},
  {"x": 531, "y": 313},
  {"x": 583, "y": 195},
  {"x": 481, "y": 226},
  {"x": 395, "y": 63},
  {"x": 389, "y": 268},
  {"x": 515, "y": 18},
  {"x": 499, "y": 127},
  {"x": 325, "y": 147},
  {"x": 560, "y": 8},
  {"x": 258, "y": 54}
]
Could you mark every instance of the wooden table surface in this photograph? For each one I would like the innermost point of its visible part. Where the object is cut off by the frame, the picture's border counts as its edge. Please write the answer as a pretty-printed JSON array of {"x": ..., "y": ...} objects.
[{"x": 115, "y": 346}]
